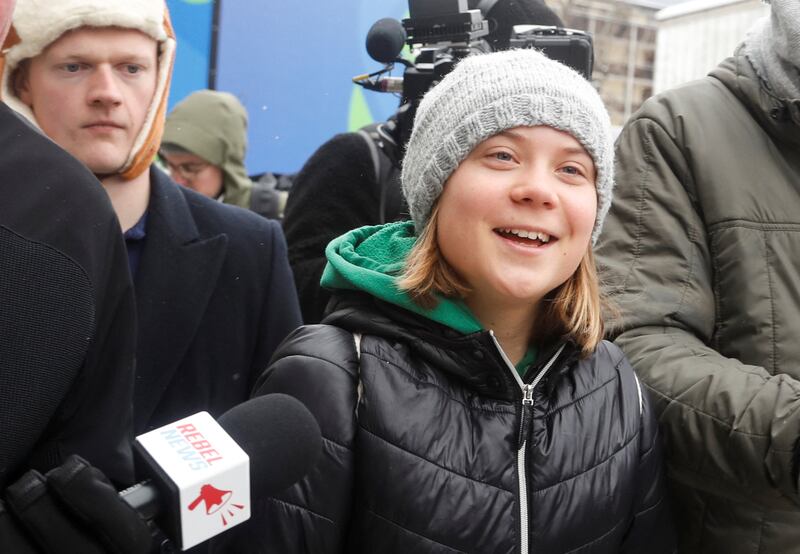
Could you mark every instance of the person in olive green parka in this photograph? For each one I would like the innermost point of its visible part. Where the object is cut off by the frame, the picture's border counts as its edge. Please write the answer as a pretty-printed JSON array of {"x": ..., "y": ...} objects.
[
  {"x": 702, "y": 254},
  {"x": 204, "y": 147}
]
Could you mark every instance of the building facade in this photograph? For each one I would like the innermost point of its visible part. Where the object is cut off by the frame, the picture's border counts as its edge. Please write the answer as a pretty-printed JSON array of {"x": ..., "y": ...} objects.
[
  {"x": 694, "y": 36},
  {"x": 624, "y": 33},
  {"x": 643, "y": 47}
]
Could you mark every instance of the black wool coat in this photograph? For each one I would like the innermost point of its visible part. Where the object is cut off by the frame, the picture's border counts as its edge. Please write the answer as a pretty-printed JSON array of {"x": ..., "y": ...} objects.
[
  {"x": 214, "y": 298},
  {"x": 432, "y": 443},
  {"x": 67, "y": 327}
]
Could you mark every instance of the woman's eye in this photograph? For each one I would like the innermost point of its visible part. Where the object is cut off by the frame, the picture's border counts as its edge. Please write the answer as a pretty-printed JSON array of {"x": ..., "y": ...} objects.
[
  {"x": 503, "y": 156},
  {"x": 132, "y": 69},
  {"x": 72, "y": 67},
  {"x": 571, "y": 170}
]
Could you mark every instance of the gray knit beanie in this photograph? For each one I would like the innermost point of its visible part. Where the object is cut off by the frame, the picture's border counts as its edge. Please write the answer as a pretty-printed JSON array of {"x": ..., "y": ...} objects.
[{"x": 489, "y": 93}]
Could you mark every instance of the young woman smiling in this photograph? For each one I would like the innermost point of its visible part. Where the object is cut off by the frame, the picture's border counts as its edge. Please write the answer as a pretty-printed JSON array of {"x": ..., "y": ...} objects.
[{"x": 467, "y": 399}]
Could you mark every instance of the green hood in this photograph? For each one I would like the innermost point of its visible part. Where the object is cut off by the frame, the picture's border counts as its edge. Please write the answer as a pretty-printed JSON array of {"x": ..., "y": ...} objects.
[
  {"x": 213, "y": 125},
  {"x": 370, "y": 259}
]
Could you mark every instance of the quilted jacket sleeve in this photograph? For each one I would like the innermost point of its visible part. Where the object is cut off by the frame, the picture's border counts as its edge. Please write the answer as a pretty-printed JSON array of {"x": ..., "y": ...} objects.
[
  {"x": 729, "y": 426},
  {"x": 318, "y": 365}
]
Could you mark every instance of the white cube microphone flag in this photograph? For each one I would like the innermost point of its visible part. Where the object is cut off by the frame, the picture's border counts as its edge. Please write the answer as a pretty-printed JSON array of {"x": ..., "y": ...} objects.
[
  {"x": 202, "y": 473},
  {"x": 208, "y": 472}
]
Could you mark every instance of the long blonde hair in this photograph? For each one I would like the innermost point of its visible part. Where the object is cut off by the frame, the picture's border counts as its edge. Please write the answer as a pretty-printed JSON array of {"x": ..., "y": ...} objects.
[{"x": 573, "y": 309}]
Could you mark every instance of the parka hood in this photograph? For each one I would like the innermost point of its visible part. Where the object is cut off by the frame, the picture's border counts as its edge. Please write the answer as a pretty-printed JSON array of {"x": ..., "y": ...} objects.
[
  {"x": 213, "y": 125},
  {"x": 370, "y": 259},
  {"x": 779, "y": 117}
]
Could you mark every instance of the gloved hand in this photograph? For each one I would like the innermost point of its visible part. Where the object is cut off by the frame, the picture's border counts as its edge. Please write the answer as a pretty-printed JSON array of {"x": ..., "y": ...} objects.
[{"x": 74, "y": 508}]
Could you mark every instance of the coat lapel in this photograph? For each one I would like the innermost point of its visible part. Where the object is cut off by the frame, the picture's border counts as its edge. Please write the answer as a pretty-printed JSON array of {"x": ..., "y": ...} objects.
[{"x": 177, "y": 274}]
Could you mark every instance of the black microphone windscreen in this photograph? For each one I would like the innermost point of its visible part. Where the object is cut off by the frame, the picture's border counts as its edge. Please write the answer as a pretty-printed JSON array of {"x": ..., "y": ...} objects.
[
  {"x": 385, "y": 40},
  {"x": 281, "y": 437}
]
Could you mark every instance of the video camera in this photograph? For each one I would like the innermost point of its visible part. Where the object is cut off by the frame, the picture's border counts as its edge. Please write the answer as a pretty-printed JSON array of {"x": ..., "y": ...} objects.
[{"x": 442, "y": 32}]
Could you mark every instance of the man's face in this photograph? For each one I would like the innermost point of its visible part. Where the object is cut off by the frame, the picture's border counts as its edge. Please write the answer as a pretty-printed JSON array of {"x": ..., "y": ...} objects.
[
  {"x": 6, "y": 11},
  {"x": 194, "y": 172},
  {"x": 90, "y": 91}
]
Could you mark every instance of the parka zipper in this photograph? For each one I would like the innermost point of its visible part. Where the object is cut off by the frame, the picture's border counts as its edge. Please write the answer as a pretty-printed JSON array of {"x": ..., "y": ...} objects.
[{"x": 527, "y": 415}]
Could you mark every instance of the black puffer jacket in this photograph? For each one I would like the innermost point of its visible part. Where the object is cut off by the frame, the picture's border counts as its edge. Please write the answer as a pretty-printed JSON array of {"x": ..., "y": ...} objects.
[{"x": 425, "y": 439}]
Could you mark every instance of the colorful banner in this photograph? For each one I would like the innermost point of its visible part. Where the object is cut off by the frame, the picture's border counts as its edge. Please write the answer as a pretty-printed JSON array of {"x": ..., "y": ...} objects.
[
  {"x": 290, "y": 64},
  {"x": 192, "y": 20}
]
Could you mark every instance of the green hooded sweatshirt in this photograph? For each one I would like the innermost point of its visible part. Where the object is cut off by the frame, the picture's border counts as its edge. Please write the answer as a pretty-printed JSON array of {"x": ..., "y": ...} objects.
[
  {"x": 370, "y": 259},
  {"x": 213, "y": 125}
]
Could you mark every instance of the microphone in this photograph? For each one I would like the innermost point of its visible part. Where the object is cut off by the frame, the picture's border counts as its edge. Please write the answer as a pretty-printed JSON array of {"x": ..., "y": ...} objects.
[
  {"x": 203, "y": 472},
  {"x": 385, "y": 40}
]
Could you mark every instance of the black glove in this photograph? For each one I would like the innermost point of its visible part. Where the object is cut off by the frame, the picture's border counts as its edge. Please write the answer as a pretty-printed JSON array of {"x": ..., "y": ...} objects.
[{"x": 75, "y": 508}]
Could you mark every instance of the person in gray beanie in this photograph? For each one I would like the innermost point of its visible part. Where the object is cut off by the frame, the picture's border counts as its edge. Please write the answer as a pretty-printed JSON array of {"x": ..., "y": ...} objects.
[
  {"x": 353, "y": 179},
  {"x": 493, "y": 93},
  {"x": 701, "y": 250},
  {"x": 467, "y": 399}
]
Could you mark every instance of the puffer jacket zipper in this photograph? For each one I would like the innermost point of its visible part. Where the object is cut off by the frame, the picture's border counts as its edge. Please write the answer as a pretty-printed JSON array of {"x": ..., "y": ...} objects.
[{"x": 527, "y": 415}]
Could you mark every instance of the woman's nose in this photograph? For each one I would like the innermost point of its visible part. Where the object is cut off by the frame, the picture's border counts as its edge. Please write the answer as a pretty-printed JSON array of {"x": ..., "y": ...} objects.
[{"x": 535, "y": 186}]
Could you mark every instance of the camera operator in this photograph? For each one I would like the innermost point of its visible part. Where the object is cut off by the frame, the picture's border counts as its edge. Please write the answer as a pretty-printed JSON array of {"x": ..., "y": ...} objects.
[{"x": 353, "y": 179}]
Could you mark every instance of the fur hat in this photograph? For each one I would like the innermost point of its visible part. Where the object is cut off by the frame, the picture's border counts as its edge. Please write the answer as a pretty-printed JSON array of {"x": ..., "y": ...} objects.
[
  {"x": 38, "y": 23},
  {"x": 489, "y": 93}
]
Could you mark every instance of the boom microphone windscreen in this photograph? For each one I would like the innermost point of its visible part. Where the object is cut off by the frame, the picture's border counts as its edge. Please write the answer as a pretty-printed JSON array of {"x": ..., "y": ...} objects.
[
  {"x": 385, "y": 40},
  {"x": 280, "y": 435}
]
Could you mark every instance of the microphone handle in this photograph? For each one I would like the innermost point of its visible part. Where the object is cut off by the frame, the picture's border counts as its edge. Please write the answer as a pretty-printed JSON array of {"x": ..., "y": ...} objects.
[{"x": 144, "y": 498}]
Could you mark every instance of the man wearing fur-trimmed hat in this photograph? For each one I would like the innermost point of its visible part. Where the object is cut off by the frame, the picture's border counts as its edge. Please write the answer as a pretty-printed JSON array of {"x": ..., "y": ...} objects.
[{"x": 214, "y": 293}]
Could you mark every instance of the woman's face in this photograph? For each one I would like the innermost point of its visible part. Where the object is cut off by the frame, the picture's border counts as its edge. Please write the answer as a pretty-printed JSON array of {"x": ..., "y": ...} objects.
[{"x": 517, "y": 215}]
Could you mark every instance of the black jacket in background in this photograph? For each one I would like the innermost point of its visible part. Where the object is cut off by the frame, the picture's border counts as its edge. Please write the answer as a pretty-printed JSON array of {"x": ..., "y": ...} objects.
[
  {"x": 215, "y": 297},
  {"x": 422, "y": 445},
  {"x": 335, "y": 191},
  {"x": 67, "y": 329}
]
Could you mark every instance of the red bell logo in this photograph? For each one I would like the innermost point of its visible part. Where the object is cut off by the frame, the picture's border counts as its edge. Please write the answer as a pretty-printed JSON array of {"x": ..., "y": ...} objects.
[{"x": 213, "y": 498}]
